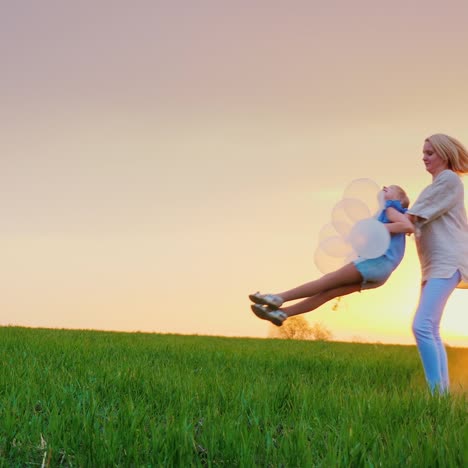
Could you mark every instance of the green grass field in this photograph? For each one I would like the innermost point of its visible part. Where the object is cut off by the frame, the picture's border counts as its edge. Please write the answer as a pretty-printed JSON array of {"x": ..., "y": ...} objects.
[{"x": 86, "y": 398}]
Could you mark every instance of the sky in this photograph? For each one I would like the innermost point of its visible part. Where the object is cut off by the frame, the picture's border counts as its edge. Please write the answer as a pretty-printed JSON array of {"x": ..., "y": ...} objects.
[{"x": 162, "y": 160}]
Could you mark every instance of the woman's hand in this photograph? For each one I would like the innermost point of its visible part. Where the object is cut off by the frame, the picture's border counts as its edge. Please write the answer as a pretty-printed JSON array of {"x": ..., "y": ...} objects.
[
  {"x": 399, "y": 222},
  {"x": 412, "y": 218}
]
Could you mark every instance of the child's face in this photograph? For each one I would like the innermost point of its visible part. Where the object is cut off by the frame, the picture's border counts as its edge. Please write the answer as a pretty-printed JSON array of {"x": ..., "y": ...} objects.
[{"x": 391, "y": 193}]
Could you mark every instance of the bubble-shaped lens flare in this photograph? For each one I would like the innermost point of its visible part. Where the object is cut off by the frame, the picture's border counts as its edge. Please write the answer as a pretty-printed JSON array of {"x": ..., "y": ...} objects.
[
  {"x": 327, "y": 263},
  {"x": 353, "y": 231},
  {"x": 346, "y": 212},
  {"x": 369, "y": 238},
  {"x": 336, "y": 246},
  {"x": 365, "y": 190}
]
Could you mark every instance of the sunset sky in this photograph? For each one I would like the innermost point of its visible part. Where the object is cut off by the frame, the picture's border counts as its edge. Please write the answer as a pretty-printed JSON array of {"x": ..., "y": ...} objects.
[{"x": 160, "y": 160}]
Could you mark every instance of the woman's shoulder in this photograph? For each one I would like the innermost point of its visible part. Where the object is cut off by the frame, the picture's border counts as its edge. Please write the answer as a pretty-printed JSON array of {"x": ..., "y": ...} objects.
[{"x": 449, "y": 176}]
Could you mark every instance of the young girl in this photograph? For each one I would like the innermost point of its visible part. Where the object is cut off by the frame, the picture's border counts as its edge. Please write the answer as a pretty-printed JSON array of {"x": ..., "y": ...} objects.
[{"x": 355, "y": 276}]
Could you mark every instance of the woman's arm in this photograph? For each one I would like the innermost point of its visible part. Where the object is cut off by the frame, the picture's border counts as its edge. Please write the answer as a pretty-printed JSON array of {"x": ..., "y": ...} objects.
[
  {"x": 399, "y": 223},
  {"x": 413, "y": 218}
]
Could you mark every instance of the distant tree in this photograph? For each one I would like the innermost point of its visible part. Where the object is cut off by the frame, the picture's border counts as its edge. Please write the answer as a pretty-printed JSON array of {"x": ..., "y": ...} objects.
[
  {"x": 298, "y": 328},
  {"x": 320, "y": 332},
  {"x": 295, "y": 328}
]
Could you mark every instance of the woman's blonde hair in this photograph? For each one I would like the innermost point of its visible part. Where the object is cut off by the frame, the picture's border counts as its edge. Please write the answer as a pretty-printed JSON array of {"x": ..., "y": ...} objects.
[
  {"x": 404, "y": 200},
  {"x": 451, "y": 151}
]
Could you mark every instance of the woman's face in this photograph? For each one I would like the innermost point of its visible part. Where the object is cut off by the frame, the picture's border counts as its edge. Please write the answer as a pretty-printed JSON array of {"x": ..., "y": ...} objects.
[{"x": 433, "y": 162}]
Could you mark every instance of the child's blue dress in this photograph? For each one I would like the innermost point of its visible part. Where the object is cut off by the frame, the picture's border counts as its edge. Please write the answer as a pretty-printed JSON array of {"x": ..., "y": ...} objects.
[{"x": 375, "y": 271}]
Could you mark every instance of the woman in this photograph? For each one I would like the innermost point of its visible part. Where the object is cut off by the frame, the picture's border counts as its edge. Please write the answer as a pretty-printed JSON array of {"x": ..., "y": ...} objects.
[{"x": 441, "y": 227}]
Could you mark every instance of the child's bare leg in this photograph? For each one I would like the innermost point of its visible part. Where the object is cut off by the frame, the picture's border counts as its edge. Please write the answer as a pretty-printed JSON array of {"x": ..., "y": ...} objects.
[
  {"x": 346, "y": 275},
  {"x": 312, "y": 303}
]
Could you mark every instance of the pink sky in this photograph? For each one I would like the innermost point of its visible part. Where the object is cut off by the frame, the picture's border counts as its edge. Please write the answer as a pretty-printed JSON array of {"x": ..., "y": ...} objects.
[{"x": 161, "y": 160}]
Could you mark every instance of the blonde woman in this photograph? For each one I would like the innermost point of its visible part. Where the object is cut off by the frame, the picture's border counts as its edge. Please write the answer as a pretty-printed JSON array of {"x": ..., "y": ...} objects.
[{"x": 441, "y": 227}]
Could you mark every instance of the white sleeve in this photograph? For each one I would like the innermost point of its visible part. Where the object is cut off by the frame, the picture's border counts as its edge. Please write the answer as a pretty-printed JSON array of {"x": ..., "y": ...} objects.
[{"x": 438, "y": 198}]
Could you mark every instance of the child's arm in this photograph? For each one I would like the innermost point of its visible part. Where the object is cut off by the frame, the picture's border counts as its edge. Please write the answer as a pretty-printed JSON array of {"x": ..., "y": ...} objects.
[{"x": 398, "y": 222}]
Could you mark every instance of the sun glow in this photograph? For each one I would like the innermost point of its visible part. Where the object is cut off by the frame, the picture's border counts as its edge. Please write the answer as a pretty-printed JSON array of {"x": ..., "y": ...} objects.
[
  {"x": 155, "y": 189},
  {"x": 455, "y": 319}
]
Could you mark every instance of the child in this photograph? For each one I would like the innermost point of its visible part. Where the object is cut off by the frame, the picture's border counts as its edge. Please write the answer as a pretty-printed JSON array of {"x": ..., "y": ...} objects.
[{"x": 355, "y": 276}]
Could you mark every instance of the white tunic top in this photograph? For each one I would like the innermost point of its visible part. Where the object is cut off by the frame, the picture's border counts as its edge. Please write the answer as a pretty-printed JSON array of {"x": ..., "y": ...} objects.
[{"x": 442, "y": 228}]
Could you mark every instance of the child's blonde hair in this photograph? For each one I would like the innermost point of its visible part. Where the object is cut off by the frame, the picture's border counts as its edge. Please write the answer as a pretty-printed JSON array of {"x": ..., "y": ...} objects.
[
  {"x": 404, "y": 200},
  {"x": 451, "y": 151}
]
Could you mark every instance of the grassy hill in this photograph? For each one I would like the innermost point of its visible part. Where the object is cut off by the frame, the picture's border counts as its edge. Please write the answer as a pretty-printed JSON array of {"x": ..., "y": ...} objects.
[{"x": 88, "y": 398}]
